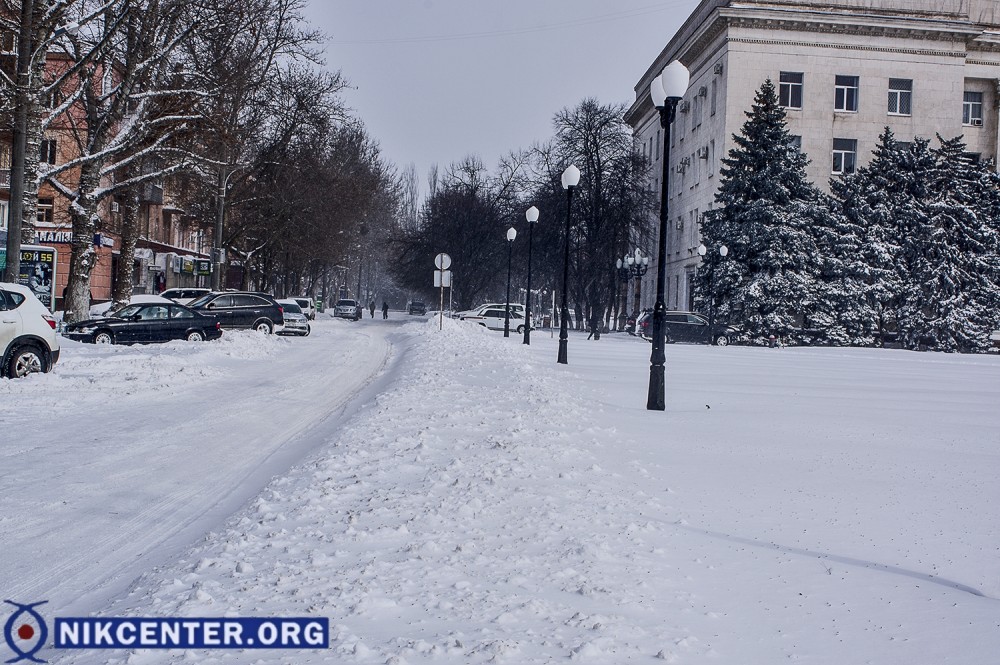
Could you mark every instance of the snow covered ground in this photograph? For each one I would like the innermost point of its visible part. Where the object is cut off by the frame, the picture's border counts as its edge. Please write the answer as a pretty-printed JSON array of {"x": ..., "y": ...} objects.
[{"x": 476, "y": 502}]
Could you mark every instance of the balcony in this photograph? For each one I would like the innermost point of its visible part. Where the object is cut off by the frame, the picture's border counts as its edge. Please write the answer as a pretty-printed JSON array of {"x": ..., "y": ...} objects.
[
  {"x": 4, "y": 178},
  {"x": 150, "y": 193}
]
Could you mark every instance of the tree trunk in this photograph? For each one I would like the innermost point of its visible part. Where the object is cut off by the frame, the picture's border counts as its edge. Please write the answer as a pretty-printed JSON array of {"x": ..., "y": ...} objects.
[
  {"x": 126, "y": 261},
  {"x": 84, "y": 256}
]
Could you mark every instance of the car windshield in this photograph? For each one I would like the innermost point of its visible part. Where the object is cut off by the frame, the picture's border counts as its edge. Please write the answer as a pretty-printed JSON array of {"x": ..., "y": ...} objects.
[
  {"x": 126, "y": 311},
  {"x": 346, "y": 303},
  {"x": 290, "y": 307},
  {"x": 201, "y": 300}
]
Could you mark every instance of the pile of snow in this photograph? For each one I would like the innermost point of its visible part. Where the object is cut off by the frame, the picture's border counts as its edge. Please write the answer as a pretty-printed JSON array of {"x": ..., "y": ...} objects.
[{"x": 823, "y": 505}]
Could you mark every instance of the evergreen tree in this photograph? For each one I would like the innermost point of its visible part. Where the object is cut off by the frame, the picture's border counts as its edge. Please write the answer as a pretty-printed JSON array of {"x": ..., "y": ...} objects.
[
  {"x": 874, "y": 208},
  {"x": 771, "y": 281},
  {"x": 951, "y": 302}
]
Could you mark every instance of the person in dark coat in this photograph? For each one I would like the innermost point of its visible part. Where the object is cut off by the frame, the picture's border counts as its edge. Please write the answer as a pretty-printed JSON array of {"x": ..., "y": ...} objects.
[
  {"x": 385, "y": 310},
  {"x": 371, "y": 308}
]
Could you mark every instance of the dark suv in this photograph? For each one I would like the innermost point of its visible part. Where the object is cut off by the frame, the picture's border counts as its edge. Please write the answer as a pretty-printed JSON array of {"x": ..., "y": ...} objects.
[
  {"x": 241, "y": 309},
  {"x": 416, "y": 307},
  {"x": 686, "y": 327}
]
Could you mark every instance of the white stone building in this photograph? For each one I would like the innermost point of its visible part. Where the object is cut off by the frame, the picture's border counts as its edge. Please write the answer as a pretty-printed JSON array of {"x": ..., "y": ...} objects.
[{"x": 845, "y": 69}]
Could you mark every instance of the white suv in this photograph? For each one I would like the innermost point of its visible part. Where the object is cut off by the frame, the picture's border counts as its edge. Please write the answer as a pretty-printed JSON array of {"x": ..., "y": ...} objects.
[
  {"x": 307, "y": 305},
  {"x": 27, "y": 333}
]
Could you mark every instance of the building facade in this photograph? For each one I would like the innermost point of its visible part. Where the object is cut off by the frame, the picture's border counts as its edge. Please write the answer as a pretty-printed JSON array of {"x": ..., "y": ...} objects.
[{"x": 844, "y": 70}]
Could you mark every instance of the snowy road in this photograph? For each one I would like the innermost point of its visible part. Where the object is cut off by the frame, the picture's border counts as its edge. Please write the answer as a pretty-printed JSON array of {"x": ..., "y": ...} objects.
[{"x": 132, "y": 453}]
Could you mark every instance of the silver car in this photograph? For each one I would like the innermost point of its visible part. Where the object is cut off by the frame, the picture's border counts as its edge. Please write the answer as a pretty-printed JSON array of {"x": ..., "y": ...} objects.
[
  {"x": 347, "y": 309},
  {"x": 296, "y": 322}
]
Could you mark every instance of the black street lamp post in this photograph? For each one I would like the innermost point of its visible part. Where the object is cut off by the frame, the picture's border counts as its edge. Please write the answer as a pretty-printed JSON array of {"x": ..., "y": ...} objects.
[
  {"x": 511, "y": 234},
  {"x": 702, "y": 251},
  {"x": 666, "y": 91},
  {"x": 531, "y": 214},
  {"x": 570, "y": 179},
  {"x": 632, "y": 268}
]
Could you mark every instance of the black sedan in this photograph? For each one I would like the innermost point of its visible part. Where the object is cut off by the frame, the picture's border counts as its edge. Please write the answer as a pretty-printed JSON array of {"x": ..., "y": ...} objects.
[
  {"x": 146, "y": 323},
  {"x": 687, "y": 327}
]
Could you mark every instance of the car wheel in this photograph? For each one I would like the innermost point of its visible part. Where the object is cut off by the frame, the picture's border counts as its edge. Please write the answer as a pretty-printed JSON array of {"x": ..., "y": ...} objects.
[
  {"x": 195, "y": 336},
  {"x": 520, "y": 330},
  {"x": 26, "y": 360},
  {"x": 308, "y": 330},
  {"x": 104, "y": 337},
  {"x": 263, "y": 327},
  {"x": 722, "y": 340}
]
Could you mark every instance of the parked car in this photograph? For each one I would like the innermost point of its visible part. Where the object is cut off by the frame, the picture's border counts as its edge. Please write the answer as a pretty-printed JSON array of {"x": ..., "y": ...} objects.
[
  {"x": 241, "y": 309},
  {"x": 307, "y": 305},
  {"x": 27, "y": 333},
  {"x": 494, "y": 320},
  {"x": 185, "y": 295},
  {"x": 478, "y": 311},
  {"x": 686, "y": 327},
  {"x": 416, "y": 307},
  {"x": 104, "y": 308},
  {"x": 347, "y": 309},
  {"x": 296, "y": 321},
  {"x": 995, "y": 338},
  {"x": 145, "y": 324}
]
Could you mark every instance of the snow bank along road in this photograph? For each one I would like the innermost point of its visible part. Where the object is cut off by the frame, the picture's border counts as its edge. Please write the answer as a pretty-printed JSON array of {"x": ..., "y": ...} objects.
[{"x": 123, "y": 455}]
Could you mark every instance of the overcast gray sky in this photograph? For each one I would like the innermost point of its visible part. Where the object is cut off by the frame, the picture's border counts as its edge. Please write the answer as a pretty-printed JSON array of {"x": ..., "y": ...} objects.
[{"x": 436, "y": 80}]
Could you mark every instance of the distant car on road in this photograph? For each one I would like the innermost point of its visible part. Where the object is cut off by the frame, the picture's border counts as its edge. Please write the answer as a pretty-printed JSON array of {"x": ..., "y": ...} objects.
[
  {"x": 686, "y": 327},
  {"x": 184, "y": 295},
  {"x": 241, "y": 309},
  {"x": 307, "y": 305},
  {"x": 27, "y": 333},
  {"x": 347, "y": 309},
  {"x": 416, "y": 307},
  {"x": 296, "y": 321},
  {"x": 145, "y": 324}
]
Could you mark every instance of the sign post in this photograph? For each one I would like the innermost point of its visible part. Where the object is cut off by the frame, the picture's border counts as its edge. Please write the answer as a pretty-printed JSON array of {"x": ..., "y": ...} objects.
[{"x": 442, "y": 278}]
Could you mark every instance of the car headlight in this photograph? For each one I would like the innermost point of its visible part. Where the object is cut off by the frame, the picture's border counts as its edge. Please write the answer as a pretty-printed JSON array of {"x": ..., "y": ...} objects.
[{"x": 84, "y": 331}]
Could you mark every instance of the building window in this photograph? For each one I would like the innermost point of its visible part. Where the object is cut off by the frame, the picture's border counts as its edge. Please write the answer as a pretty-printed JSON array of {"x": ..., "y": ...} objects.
[
  {"x": 795, "y": 142},
  {"x": 790, "y": 90},
  {"x": 846, "y": 96},
  {"x": 845, "y": 153},
  {"x": 659, "y": 142},
  {"x": 972, "y": 109},
  {"x": 715, "y": 96},
  {"x": 44, "y": 211},
  {"x": 47, "y": 151},
  {"x": 900, "y": 96},
  {"x": 711, "y": 158}
]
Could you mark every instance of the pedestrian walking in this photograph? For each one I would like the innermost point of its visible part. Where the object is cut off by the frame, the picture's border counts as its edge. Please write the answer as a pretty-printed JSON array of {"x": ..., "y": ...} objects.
[
  {"x": 371, "y": 308},
  {"x": 385, "y": 310}
]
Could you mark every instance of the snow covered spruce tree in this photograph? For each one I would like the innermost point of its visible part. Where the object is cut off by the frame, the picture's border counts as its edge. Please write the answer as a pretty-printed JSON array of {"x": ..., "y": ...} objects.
[
  {"x": 952, "y": 299},
  {"x": 771, "y": 281},
  {"x": 875, "y": 208}
]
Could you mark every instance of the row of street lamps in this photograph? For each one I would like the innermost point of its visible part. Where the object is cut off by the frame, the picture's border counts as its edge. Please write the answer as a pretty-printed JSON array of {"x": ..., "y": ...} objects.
[{"x": 666, "y": 91}]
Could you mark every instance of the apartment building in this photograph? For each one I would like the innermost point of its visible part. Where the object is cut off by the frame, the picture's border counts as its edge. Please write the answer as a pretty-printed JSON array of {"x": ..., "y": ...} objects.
[
  {"x": 172, "y": 249},
  {"x": 844, "y": 70}
]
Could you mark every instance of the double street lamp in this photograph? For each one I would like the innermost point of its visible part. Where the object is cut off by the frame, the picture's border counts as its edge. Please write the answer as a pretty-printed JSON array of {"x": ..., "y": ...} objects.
[
  {"x": 511, "y": 234},
  {"x": 702, "y": 252},
  {"x": 570, "y": 179},
  {"x": 531, "y": 214},
  {"x": 632, "y": 268},
  {"x": 666, "y": 91}
]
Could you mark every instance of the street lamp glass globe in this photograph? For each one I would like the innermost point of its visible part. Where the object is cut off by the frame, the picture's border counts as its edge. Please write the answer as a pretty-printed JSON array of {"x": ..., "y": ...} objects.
[
  {"x": 656, "y": 92},
  {"x": 630, "y": 260},
  {"x": 511, "y": 233},
  {"x": 645, "y": 260},
  {"x": 570, "y": 177},
  {"x": 674, "y": 78},
  {"x": 619, "y": 264},
  {"x": 702, "y": 250},
  {"x": 723, "y": 250},
  {"x": 531, "y": 214}
]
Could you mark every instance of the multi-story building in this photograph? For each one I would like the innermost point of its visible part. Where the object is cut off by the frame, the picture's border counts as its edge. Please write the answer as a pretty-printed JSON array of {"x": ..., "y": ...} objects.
[
  {"x": 844, "y": 70},
  {"x": 172, "y": 249}
]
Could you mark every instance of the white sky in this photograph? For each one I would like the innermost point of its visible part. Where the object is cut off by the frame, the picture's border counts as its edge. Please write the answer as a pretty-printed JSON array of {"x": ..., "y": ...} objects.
[{"x": 436, "y": 80}]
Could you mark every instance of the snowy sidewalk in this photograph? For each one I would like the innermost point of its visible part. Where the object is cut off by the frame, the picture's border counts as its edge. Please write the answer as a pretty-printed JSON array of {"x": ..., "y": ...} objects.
[{"x": 491, "y": 506}]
